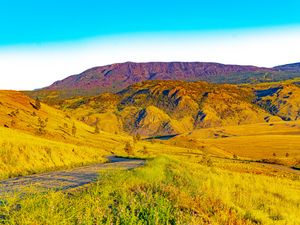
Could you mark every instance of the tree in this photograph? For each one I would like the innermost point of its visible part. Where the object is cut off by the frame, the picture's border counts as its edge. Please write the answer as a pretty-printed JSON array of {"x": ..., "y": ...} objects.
[
  {"x": 74, "y": 130},
  {"x": 128, "y": 148},
  {"x": 145, "y": 150},
  {"x": 97, "y": 130},
  {"x": 136, "y": 138},
  {"x": 42, "y": 125},
  {"x": 37, "y": 103},
  {"x": 12, "y": 123},
  {"x": 206, "y": 160}
]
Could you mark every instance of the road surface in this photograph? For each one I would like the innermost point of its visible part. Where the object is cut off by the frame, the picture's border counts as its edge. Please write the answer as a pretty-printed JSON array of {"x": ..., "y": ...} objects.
[{"x": 66, "y": 179}]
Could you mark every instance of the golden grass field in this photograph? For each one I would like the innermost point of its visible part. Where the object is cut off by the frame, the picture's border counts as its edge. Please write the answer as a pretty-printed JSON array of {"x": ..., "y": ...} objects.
[
  {"x": 275, "y": 141},
  {"x": 24, "y": 149}
]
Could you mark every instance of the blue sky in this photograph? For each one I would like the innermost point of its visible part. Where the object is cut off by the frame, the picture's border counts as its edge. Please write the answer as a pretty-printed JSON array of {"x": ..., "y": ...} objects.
[
  {"x": 42, "y": 21},
  {"x": 42, "y": 41}
]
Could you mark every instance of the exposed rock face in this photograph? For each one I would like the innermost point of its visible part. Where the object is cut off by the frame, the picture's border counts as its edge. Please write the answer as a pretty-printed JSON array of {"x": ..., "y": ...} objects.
[{"x": 283, "y": 101}]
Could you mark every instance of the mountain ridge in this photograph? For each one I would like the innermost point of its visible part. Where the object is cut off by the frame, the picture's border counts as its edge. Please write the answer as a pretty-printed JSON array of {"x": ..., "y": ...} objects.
[{"x": 132, "y": 72}]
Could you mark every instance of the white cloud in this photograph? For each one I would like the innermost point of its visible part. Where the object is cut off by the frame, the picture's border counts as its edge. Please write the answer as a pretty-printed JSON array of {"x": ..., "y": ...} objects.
[{"x": 35, "y": 66}]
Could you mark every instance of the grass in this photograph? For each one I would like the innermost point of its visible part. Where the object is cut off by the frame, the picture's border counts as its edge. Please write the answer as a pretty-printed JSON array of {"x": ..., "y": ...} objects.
[
  {"x": 22, "y": 154},
  {"x": 277, "y": 141},
  {"x": 36, "y": 140},
  {"x": 165, "y": 191}
]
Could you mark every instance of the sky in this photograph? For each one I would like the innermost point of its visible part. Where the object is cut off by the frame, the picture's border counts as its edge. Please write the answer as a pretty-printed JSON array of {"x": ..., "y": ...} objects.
[{"x": 45, "y": 41}]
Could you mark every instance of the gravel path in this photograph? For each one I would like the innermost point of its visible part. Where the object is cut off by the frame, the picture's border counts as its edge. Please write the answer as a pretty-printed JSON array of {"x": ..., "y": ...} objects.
[{"x": 66, "y": 179}]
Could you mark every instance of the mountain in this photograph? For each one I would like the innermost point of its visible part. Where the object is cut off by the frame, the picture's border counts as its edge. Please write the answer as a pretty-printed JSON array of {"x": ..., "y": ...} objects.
[
  {"x": 169, "y": 107},
  {"x": 115, "y": 77},
  {"x": 294, "y": 67},
  {"x": 119, "y": 76}
]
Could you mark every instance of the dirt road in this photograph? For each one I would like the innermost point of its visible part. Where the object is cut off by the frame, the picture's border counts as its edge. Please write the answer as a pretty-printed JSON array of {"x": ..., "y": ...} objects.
[{"x": 66, "y": 179}]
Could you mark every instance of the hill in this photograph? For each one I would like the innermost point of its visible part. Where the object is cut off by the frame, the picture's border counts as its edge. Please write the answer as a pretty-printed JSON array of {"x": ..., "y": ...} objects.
[
  {"x": 18, "y": 112},
  {"x": 34, "y": 139},
  {"x": 293, "y": 67},
  {"x": 115, "y": 77},
  {"x": 276, "y": 142},
  {"x": 169, "y": 107},
  {"x": 281, "y": 100}
]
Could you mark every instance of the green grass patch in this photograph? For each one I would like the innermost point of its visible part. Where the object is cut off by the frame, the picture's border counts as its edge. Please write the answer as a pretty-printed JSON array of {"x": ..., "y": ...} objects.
[{"x": 164, "y": 191}]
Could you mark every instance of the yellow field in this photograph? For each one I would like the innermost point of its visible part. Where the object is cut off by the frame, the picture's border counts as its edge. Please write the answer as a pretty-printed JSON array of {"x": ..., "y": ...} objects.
[
  {"x": 278, "y": 141},
  {"x": 22, "y": 154},
  {"x": 34, "y": 140}
]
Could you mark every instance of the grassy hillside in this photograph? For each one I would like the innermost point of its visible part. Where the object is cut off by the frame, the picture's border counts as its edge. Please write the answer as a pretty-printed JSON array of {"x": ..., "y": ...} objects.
[
  {"x": 22, "y": 154},
  {"x": 281, "y": 100},
  {"x": 169, "y": 107},
  {"x": 276, "y": 142},
  {"x": 224, "y": 120},
  {"x": 34, "y": 139},
  {"x": 17, "y": 111}
]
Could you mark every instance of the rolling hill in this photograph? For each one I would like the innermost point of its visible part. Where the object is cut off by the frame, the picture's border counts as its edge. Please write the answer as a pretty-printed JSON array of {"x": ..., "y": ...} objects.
[
  {"x": 276, "y": 142},
  {"x": 35, "y": 139},
  {"x": 154, "y": 108},
  {"x": 18, "y": 112},
  {"x": 281, "y": 100}
]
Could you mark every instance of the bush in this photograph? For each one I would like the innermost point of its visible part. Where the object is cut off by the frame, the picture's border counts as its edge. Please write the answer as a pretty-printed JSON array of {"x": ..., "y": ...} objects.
[
  {"x": 37, "y": 104},
  {"x": 136, "y": 138},
  {"x": 206, "y": 160},
  {"x": 145, "y": 150},
  {"x": 128, "y": 149},
  {"x": 74, "y": 130},
  {"x": 42, "y": 126}
]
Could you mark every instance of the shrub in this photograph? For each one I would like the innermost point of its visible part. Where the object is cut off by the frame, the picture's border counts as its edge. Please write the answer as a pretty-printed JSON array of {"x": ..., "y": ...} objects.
[
  {"x": 128, "y": 149},
  {"x": 145, "y": 150},
  {"x": 74, "y": 130},
  {"x": 37, "y": 104},
  {"x": 136, "y": 138},
  {"x": 42, "y": 126},
  {"x": 206, "y": 160},
  {"x": 97, "y": 130}
]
